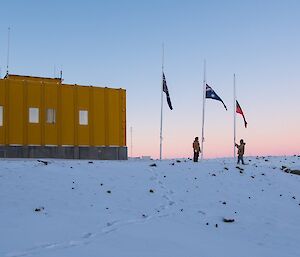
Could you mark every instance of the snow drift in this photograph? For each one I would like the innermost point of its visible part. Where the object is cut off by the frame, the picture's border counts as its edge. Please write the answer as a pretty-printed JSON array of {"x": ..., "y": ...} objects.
[{"x": 137, "y": 209}]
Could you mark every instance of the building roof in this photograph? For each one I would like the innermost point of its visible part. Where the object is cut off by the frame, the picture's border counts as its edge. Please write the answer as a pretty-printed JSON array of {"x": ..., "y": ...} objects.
[
  {"x": 53, "y": 81},
  {"x": 20, "y": 77}
]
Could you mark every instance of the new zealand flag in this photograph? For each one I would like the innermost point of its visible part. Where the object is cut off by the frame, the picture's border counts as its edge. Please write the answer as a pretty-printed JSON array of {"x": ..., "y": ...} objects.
[
  {"x": 165, "y": 89},
  {"x": 210, "y": 93}
]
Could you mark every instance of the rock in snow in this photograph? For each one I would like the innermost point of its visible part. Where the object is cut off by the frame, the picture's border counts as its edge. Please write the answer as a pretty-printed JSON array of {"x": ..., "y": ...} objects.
[
  {"x": 226, "y": 220},
  {"x": 44, "y": 162},
  {"x": 39, "y": 209}
]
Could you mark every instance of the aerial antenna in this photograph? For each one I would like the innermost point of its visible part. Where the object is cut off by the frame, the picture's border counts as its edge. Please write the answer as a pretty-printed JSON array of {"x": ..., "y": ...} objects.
[
  {"x": 8, "y": 45},
  {"x": 61, "y": 75},
  {"x": 54, "y": 71}
]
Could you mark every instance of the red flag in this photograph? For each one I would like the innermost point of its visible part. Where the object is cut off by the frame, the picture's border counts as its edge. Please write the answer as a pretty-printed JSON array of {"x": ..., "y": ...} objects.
[{"x": 240, "y": 111}]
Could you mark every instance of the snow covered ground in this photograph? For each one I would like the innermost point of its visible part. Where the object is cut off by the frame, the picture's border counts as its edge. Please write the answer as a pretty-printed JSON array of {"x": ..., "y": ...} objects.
[{"x": 73, "y": 208}]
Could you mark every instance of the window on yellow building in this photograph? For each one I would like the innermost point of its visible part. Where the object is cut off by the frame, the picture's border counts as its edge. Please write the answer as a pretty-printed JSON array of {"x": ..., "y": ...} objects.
[
  {"x": 83, "y": 117},
  {"x": 1, "y": 116},
  {"x": 51, "y": 116},
  {"x": 33, "y": 115}
]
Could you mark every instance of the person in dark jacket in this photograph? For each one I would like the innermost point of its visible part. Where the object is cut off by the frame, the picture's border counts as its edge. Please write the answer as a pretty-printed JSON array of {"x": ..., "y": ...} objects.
[
  {"x": 196, "y": 148},
  {"x": 241, "y": 151}
]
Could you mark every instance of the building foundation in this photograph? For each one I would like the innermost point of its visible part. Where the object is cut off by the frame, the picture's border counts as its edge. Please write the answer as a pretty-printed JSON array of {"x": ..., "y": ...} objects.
[{"x": 65, "y": 152}]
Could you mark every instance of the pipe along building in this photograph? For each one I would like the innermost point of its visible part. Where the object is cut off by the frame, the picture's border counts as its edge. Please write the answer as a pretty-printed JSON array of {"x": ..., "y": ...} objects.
[{"x": 43, "y": 118}]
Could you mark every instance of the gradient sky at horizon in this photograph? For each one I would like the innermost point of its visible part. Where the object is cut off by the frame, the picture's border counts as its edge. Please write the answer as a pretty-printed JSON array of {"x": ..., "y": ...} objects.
[{"x": 118, "y": 44}]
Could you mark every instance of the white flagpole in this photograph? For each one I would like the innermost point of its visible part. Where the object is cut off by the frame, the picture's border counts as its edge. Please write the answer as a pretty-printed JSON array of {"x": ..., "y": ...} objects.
[
  {"x": 161, "y": 110},
  {"x": 234, "y": 117},
  {"x": 131, "y": 141},
  {"x": 203, "y": 108}
]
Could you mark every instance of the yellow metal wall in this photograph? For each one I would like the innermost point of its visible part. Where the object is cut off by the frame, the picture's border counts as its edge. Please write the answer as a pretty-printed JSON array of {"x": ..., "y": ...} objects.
[
  {"x": 14, "y": 110},
  {"x": 2, "y": 101},
  {"x": 106, "y": 113},
  {"x": 100, "y": 107}
]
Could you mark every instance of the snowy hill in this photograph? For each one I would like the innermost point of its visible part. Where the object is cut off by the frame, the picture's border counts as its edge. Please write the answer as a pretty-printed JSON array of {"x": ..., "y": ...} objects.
[{"x": 71, "y": 208}]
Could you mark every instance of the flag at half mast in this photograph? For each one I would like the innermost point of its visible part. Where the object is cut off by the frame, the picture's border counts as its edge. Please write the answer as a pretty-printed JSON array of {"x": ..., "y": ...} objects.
[
  {"x": 210, "y": 93},
  {"x": 240, "y": 111},
  {"x": 165, "y": 89}
]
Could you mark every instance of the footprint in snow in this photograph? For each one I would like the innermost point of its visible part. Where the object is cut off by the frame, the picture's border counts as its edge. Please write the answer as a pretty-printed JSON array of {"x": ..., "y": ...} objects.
[
  {"x": 171, "y": 203},
  {"x": 109, "y": 224},
  {"x": 87, "y": 235}
]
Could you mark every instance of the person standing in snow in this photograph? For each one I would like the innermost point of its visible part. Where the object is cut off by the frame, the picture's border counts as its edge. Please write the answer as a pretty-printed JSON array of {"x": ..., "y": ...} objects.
[
  {"x": 196, "y": 148},
  {"x": 241, "y": 151}
]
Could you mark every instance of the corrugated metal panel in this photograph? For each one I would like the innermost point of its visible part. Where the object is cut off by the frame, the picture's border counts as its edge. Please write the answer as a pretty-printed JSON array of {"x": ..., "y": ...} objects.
[
  {"x": 83, "y": 105},
  {"x": 99, "y": 117},
  {"x": 68, "y": 117},
  {"x": 34, "y": 130},
  {"x": 51, "y": 102},
  {"x": 14, "y": 111},
  {"x": 2, "y": 103}
]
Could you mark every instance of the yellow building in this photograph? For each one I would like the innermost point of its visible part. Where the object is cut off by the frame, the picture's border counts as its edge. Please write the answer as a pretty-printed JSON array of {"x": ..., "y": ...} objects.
[{"x": 41, "y": 117}]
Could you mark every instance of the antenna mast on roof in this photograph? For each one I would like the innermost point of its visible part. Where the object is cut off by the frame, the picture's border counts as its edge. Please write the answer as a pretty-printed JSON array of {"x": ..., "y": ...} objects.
[
  {"x": 8, "y": 45},
  {"x": 61, "y": 75},
  {"x": 54, "y": 71}
]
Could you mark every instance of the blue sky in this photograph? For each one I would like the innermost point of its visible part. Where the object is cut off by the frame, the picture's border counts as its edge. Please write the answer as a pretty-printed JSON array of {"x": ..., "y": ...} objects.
[{"x": 118, "y": 44}]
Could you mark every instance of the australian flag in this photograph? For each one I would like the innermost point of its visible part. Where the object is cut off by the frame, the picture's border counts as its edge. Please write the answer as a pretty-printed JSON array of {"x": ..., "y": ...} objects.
[
  {"x": 210, "y": 93},
  {"x": 165, "y": 89}
]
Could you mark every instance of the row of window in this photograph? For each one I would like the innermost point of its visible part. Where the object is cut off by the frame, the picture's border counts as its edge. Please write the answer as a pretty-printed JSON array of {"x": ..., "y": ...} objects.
[{"x": 50, "y": 116}]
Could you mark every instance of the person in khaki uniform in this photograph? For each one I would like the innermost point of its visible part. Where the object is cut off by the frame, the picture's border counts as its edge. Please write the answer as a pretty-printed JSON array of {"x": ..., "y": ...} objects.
[
  {"x": 196, "y": 148},
  {"x": 241, "y": 151}
]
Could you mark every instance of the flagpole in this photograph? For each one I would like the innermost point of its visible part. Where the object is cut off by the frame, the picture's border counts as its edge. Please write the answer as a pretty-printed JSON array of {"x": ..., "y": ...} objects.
[
  {"x": 203, "y": 108},
  {"x": 234, "y": 117},
  {"x": 161, "y": 110},
  {"x": 131, "y": 142}
]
